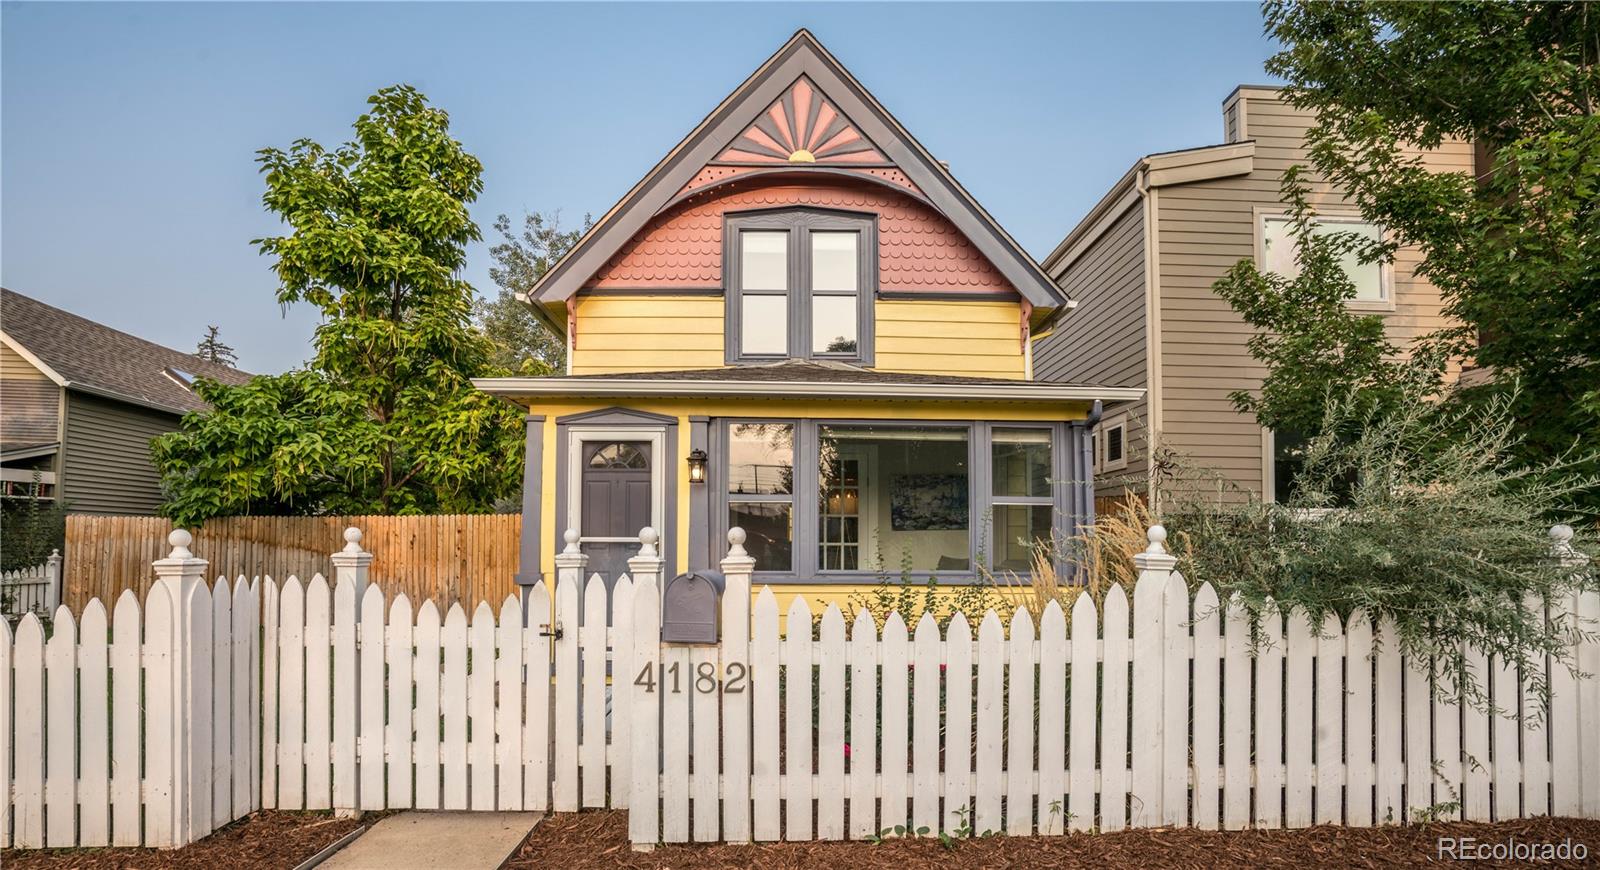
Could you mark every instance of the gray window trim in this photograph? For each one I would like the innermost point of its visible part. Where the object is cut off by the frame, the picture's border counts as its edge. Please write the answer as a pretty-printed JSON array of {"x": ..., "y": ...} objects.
[
  {"x": 807, "y": 476},
  {"x": 800, "y": 222}
]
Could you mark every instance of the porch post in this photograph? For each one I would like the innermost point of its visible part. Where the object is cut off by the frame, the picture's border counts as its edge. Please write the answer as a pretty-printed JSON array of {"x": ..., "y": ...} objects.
[
  {"x": 532, "y": 521},
  {"x": 700, "y": 497}
]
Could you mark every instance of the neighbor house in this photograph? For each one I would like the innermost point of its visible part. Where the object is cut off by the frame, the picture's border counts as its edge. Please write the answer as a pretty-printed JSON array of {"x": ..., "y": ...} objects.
[
  {"x": 80, "y": 402},
  {"x": 800, "y": 323},
  {"x": 1140, "y": 268}
]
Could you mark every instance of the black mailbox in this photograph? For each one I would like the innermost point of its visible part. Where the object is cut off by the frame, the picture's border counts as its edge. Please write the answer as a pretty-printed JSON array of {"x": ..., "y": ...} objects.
[{"x": 690, "y": 605}]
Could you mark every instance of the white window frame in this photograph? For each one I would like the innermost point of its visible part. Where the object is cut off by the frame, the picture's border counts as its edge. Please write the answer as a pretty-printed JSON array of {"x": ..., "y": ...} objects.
[
  {"x": 1385, "y": 268},
  {"x": 1115, "y": 421}
]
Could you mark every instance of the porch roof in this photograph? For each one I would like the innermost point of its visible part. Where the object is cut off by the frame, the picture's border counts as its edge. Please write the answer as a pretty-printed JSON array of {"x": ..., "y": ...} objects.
[{"x": 805, "y": 379}]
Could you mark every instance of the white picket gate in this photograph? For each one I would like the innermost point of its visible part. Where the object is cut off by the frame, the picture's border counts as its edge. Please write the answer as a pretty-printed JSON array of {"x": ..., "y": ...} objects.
[{"x": 1156, "y": 711}]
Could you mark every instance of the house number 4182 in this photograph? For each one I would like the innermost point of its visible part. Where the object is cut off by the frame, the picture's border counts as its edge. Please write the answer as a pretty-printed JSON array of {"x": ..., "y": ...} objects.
[{"x": 704, "y": 678}]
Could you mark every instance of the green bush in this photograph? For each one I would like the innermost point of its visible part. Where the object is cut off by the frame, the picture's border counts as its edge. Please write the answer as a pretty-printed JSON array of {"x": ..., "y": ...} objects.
[
  {"x": 30, "y": 528},
  {"x": 1421, "y": 517}
]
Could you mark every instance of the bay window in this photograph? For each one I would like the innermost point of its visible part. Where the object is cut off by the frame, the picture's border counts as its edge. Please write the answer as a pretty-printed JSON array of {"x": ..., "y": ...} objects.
[{"x": 799, "y": 285}]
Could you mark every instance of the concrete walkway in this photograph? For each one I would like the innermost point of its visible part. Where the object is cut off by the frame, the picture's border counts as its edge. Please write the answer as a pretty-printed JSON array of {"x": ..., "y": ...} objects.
[{"x": 431, "y": 840}]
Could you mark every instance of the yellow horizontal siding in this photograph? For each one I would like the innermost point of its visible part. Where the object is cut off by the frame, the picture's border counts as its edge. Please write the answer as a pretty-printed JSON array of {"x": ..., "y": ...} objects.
[
  {"x": 13, "y": 367},
  {"x": 617, "y": 334},
  {"x": 950, "y": 337}
]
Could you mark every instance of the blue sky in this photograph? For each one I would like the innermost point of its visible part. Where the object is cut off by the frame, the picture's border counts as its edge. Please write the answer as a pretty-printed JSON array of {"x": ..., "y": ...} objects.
[{"x": 128, "y": 191}]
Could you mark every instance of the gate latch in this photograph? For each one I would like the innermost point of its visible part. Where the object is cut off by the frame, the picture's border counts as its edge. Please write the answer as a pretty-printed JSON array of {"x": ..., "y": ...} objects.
[{"x": 547, "y": 631}]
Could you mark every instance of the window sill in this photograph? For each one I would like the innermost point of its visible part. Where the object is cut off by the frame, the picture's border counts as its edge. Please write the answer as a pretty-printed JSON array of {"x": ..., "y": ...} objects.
[{"x": 1378, "y": 306}]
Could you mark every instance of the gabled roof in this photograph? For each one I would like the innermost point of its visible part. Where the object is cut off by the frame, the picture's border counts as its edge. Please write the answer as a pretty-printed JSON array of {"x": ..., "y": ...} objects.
[
  {"x": 80, "y": 354},
  {"x": 725, "y": 130}
]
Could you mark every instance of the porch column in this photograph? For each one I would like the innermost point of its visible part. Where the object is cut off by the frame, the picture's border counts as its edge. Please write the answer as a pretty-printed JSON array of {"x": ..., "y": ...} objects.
[
  {"x": 532, "y": 520},
  {"x": 700, "y": 497}
]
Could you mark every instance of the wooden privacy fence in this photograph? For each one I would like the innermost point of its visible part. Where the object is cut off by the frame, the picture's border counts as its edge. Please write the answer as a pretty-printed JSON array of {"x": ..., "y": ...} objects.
[
  {"x": 466, "y": 557},
  {"x": 1155, "y": 712}
]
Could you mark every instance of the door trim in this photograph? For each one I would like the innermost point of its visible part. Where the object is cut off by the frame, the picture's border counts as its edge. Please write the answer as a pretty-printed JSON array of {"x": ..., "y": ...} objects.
[{"x": 577, "y": 436}]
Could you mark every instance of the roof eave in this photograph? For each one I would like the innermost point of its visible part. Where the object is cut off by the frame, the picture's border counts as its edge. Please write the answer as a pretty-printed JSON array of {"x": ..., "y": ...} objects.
[{"x": 1021, "y": 391}]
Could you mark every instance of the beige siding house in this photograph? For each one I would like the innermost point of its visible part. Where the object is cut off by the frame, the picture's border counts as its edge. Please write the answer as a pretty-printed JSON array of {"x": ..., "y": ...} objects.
[
  {"x": 80, "y": 403},
  {"x": 1140, "y": 267}
]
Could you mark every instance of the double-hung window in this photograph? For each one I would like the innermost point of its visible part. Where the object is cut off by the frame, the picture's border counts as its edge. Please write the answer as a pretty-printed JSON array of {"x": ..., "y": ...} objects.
[
  {"x": 1023, "y": 510},
  {"x": 800, "y": 285}
]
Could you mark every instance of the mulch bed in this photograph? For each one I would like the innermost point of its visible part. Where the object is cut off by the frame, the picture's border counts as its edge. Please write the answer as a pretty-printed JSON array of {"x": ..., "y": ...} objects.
[
  {"x": 600, "y": 839},
  {"x": 267, "y": 839}
]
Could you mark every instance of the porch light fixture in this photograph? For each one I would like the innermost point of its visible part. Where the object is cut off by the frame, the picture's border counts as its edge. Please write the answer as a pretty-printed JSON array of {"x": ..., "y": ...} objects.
[{"x": 697, "y": 466}]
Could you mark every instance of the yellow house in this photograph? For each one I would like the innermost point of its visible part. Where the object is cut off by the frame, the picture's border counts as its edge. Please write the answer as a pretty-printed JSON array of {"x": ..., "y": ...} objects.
[{"x": 800, "y": 324}]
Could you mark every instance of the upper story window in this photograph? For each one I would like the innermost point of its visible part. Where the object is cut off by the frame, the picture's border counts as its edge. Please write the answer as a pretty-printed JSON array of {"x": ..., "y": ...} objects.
[
  {"x": 800, "y": 285},
  {"x": 1372, "y": 280}
]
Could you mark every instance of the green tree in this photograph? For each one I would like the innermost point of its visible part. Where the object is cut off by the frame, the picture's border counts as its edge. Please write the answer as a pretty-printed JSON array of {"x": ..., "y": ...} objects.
[
  {"x": 384, "y": 418},
  {"x": 1309, "y": 339},
  {"x": 522, "y": 343},
  {"x": 212, "y": 349},
  {"x": 1512, "y": 247}
]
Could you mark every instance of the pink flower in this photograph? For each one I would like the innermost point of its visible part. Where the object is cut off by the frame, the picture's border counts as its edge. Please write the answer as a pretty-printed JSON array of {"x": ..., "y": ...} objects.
[
  {"x": 942, "y": 668},
  {"x": 847, "y": 750}
]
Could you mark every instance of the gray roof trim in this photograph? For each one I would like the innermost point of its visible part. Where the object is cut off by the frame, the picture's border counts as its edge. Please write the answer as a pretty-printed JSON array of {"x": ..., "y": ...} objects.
[
  {"x": 595, "y": 387},
  {"x": 802, "y": 55}
]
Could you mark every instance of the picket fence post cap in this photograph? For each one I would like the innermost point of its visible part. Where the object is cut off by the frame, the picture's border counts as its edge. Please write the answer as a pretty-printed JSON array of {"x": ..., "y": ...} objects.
[
  {"x": 180, "y": 539},
  {"x": 1560, "y": 533},
  {"x": 1155, "y": 557},
  {"x": 1157, "y": 535},
  {"x": 352, "y": 540},
  {"x": 736, "y": 539},
  {"x": 571, "y": 537},
  {"x": 647, "y": 541}
]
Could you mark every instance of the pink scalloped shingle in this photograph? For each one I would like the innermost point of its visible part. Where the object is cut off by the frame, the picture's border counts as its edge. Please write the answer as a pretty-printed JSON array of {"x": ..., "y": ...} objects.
[{"x": 918, "y": 248}]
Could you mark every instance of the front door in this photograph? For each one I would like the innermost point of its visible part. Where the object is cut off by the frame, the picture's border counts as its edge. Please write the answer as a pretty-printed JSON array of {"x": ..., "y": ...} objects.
[{"x": 615, "y": 503}]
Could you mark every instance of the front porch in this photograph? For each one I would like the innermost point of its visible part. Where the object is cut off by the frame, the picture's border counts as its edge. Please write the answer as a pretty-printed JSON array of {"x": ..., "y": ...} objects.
[{"x": 842, "y": 477}]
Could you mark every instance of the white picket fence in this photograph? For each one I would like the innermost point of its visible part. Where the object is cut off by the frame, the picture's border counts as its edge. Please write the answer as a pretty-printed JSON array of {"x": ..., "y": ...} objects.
[
  {"x": 1155, "y": 712},
  {"x": 106, "y": 743},
  {"x": 35, "y": 590},
  {"x": 208, "y": 703}
]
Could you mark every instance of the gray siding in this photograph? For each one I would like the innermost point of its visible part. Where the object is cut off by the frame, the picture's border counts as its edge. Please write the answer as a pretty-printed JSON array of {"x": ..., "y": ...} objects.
[
  {"x": 107, "y": 456},
  {"x": 1102, "y": 340},
  {"x": 1203, "y": 229}
]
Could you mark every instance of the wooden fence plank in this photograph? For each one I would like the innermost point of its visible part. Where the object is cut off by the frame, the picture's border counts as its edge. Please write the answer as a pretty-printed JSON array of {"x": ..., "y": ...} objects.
[
  {"x": 863, "y": 742},
  {"x": 271, "y": 613},
  {"x": 480, "y": 709},
  {"x": 798, "y": 755},
  {"x": 1019, "y": 722},
  {"x": 319, "y": 697},
  {"x": 1054, "y": 802},
  {"x": 222, "y": 752},
  {"x": 644, "y": 813},
  {"x": 398, "y": 735},
  {"x": 1083, "y": 719},
  {"x": 592, "y": 715},
  {"x": 959, "y": 679},
  {"x": 536, "y": 719},
  {"x": 427, "y": 713},
  {"x": 159, "y": 703},
  {"x": 925, "y": 724},
  {"x": 453, "y": 704},
  {"x": 674, "y": 742},
  {"x": 1389, "y": 724},
  {"x": 895, "y": 719},
  {"x": 1175, "y": 701},
  {"x": 1300, "y": 646},
  {"x": 1329, "y": 718},
  {"x": 1359, "y": 769},
  {"x": 94, "y": 756},
  {"x": 199, "y": 711},
  {"x": 1507, "y": 770},
  {"x": 1114, "y": 779},
  {"x": 830, "y": 727},
  {"x": 1269, "y": 718},
  {"x": 61, "y": 733},
  {"x": 704, "y": 715},
  {"x": 765, "y": 776},
  {"x": 508, "y": 707},
  {"x": 370, "y": 740},
  {"x": 568, "y": 694},
  {"x": 243, "y": 638},
  {"x": 125, "y": 718},
  {"x": 990, "y": 725},
  {"x": 619, "y": 752},
  {"x": 346, "y": 694},
  {"x": 1236, "y": 718},
  {"x": 29, "y": 711},
  {"x": 1207, "y": 626}
]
